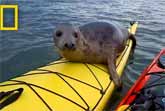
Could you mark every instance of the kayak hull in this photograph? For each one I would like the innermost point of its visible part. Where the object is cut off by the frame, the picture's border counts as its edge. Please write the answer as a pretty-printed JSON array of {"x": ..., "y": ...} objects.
[{"x": 66, "y": 86}]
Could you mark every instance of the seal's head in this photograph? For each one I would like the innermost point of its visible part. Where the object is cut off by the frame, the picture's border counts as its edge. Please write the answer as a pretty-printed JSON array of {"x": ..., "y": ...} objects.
[
  {"x": 66, "y": 37},
  {"x": 69, "y": 41}
]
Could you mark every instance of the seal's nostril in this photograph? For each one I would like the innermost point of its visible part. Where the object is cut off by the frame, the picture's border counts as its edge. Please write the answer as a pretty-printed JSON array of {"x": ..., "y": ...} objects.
[
  {"x": 66, "y": 45},
  {"x": 69, "y": 46},
  {"x": 72, "y": 45}
]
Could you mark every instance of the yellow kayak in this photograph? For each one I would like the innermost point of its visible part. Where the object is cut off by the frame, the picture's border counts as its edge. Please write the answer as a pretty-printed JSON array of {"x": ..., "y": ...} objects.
[{"x": 63, "y": 86}]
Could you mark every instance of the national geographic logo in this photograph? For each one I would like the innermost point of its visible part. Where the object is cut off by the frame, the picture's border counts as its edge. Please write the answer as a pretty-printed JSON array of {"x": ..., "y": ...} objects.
[{"x": 3, "y": 19}]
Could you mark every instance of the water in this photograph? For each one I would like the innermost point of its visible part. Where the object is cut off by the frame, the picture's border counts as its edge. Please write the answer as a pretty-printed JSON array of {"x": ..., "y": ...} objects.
[{"x": 32, "y": 45}]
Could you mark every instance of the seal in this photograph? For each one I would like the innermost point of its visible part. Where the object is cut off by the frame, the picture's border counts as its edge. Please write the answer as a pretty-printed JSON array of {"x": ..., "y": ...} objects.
[{"x": 96, "y": 42}]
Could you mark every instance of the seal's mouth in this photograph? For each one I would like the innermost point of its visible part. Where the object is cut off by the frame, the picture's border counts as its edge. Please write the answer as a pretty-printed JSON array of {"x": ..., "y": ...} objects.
[
  {"x": 65, "y": 48},
  {"x": 69, "y": 46},
  {"x": 69, "y": 49}
]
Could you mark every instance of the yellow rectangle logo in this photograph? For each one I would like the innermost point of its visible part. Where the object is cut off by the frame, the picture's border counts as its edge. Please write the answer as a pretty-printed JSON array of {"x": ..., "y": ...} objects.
[{"x": 15, "y": 7}]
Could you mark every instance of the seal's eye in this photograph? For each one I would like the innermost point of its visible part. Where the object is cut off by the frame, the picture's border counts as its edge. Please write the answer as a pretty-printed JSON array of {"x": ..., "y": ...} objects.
[
  {"x": 75, "y": 34},
  {"x": 58, "y": 33}
]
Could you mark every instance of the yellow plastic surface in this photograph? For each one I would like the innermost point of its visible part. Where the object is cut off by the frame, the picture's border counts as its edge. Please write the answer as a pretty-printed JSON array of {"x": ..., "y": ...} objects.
[
  {"x": 65, "y": 86},
  {"x": 123, "y": 108}
]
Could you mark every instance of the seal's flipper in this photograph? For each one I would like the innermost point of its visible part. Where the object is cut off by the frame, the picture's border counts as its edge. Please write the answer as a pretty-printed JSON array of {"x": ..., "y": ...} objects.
[
  {"x": 132, "y": 37},
  {"x": 132, "y": 23},
  {"x": 112, "y": 69}
]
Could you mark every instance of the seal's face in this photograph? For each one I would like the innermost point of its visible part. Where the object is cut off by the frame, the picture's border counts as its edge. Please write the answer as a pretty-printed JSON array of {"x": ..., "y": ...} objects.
[{"x": 65, "y": 37}]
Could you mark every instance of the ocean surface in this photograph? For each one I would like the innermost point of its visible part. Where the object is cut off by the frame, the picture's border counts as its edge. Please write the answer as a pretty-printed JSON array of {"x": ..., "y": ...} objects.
[{"x": 32, "y": 45}]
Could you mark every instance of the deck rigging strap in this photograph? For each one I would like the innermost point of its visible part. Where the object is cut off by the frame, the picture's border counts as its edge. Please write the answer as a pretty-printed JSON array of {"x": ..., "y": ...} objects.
[{"x": 11, "y": 96}]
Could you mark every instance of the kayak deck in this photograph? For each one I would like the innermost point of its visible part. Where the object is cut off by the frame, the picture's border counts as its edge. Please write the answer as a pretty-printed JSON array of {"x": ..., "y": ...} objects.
[{"x": 66, "y": 86}]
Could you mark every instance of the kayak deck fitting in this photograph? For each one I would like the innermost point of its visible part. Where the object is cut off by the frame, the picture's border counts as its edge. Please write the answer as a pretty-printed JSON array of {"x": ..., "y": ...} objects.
[{"x": 65, "y": 86}]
